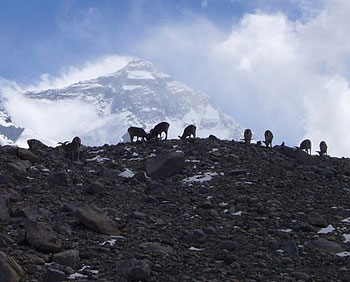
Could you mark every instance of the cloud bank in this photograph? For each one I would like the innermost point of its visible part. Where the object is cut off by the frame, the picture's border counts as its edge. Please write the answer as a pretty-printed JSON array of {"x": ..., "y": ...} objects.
[{"x": 268, "y": 72}]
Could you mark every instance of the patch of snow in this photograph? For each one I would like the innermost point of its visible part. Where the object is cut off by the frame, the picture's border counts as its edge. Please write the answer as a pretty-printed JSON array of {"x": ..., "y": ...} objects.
[
  {"x": 139, "y": 74},
  {"x": 346, "y": 220},
  {"x": 239, "y": 213},
  {"x": 127, "y": 173},
  {"x": 347, "y": 238},
  {"x": 195, "y": 249},
  {"x": 109, "y": 242},
  {"x": 343, "y": 254},
  {"x": 328, "y": 229},
  {"x": 286, "y": 230},
  {"x": 76, "y": 275},
  {"x": 131, "y": 87},
  {"x": 98, "y": 159},
  {"x": 209, "y": 197},
  {"x": 223, "y": 204},
  {"x": 200, "y": 178},
  {"x": 192, "y": 161}
]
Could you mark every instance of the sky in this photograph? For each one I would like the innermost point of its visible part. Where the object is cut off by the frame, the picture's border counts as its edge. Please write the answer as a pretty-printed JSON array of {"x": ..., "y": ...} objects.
[{"x": 281, "y": 65}]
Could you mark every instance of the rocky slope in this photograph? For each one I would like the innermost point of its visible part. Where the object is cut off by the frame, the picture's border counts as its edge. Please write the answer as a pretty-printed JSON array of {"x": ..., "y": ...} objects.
[{"x": 208, "y": 210}]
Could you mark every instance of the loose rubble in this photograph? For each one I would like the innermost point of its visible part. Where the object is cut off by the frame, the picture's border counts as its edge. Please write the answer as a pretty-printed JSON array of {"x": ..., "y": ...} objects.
[{"x": 174, "y": 210}]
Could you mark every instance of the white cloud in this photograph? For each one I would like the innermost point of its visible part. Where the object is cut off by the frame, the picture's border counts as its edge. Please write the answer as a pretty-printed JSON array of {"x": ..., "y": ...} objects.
[
  {"x": 268, "y": 71},
  {"x": 92, "y": 69}
]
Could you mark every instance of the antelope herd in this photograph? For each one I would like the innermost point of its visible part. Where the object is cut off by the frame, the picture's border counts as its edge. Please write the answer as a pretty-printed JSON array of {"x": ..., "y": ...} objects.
[{"x": 72, "y": 148}]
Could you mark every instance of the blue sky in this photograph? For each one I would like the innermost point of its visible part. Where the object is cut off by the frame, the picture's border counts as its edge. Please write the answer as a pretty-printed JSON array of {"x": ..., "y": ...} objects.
[
  {"x": 41, "y": 36},
  {"x": 282, "y": 65}
]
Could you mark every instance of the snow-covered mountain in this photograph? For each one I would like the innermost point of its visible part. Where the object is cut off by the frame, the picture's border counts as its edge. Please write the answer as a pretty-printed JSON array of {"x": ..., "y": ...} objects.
[
  {"x": 9, "y": 133},
  {"x": 140, "y": 95}
]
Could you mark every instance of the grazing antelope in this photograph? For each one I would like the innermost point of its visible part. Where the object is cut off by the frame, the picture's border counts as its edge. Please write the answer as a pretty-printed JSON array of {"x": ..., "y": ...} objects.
[
  {"x": 305, "y": 145},
  {"x": 188, "y": 131},
  {"x": 268, "y": 138},
  {"x": 247, "y": 136},
  {"x": 158, "y": 130},
  {"x": 323, "y": 149},
  {"x": 73, "y": 148},
  {"x": 138, "y": 132}
]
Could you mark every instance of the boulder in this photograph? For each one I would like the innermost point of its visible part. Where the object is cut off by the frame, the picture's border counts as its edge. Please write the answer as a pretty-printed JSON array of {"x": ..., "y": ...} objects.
[
  {"x": 324, "y": 246},
  {"x": 317, "y": 219},
  {"x": 26, "y": 154},
  {"x": 68, "y": 258},
  {"x": 42, "y": 237},
  {"x": 134, "y": 270},
  {"x": 10, "y": 271},
  {"x": 19, "y": 166},
  {"x": 96, "y": 220},
  {"x": 4, "y": 208},
  {"x": 165, "y": 165}
]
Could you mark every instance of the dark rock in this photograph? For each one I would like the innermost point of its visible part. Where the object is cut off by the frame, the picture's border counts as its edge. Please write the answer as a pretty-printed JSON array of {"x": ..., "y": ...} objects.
[
  {"x": 4, "y": 208},
  {"x": 42, "y": 237},
  {"x": 26, "y": 154},
  {"x": 195, "y": 236},
  {"x": 316, "y": 219},
  {"x": 19, "y": 166},
  {"x": 68, "y": 258},
  {"x": 10, "y": 271},
  {"x": 140, "y": 176},
  {"x": 134, "y": 270},
  {"x": 28, "y": 190},
  {"x": 207, "y": 205},
  {"x": 96, "y": 220},
  {"x": 94, "y": 188},
  {"x": 290, "y": 247},
  {"x": 7, "y": 179},
  {"x": 156, "y": 248},
  {"x": 156, "y": 188},
  {"x": 324, "y": 246},
  {"x": 55, "y": 275},
  {"x": 165, "y": 165},
  {"x": 58, "y": 178},
  {"x": 227, "y": 245}
]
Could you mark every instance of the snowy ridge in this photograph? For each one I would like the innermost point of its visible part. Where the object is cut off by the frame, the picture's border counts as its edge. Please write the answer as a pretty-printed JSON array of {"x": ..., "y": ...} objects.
[{"x": 140, "y": 95}]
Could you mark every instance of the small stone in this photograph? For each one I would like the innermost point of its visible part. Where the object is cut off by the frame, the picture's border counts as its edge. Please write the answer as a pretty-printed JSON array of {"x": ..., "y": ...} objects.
[
  {"x": 7, "y": 179},
  {"x": 316, "y": 219},
  {"x": 58, "y": 178},
  {"x": 55, "y": 275},
  {"x": 68, "y": 258},
  {"x": 290, "y": 247},
  {"x": 94, "y": 188},
  {"x": 134, "y": 270},
  {"x": 140, "y": 176},
  {"x": 207, "y": 205},
  {"x": 95, "y": 219},
  {"x": 228, "y": 245},
  {"x": 165, "y": 165}
]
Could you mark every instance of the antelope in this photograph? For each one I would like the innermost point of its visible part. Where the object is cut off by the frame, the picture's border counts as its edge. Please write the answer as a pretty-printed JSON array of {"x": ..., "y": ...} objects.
[
  {"x": 247, "y": 136},
  {"x": 35, "y": 144},
  {"x": 188, "y": 131},
  {"x": 268, "y": 138},
  {"x": 73, "y": 148},
  {"x": 323, "y": 149},
  {"x": 305, "y": 145},
  {"x": 138, "y": 132},
  {"x": 158, "y": 130}
]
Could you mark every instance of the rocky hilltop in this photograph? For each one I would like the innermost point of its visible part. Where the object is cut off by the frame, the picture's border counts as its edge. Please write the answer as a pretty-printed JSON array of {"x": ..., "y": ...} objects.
[{"x": 195, "y": 210}]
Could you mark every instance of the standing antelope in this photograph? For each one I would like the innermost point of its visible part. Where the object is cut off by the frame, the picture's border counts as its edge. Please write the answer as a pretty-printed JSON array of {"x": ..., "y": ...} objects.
[
  {"x": 73, "y": 148},
  {"x": 306, "y": 145},
  {"x": 247, "y": 136},
  {"x": 188, "y": 131},
  {"x": 268, "y": 138},
  {"x": 323, "y": 149}
]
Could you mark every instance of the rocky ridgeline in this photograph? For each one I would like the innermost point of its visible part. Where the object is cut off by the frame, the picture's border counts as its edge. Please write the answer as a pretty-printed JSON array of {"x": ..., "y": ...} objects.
[{"x": 194, "y": 210}]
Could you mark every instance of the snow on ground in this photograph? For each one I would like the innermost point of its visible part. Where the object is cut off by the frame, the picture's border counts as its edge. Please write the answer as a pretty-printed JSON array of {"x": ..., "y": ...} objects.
[
  {"x": 98, "y": 159},
  {"x": 139, "y": 74},
  {"x": 127, "y": 173},
  {"x": 207, "y": 176},
  {"x": 29, "y": 134},
  {"x": 347, "y": 238},
  {"x": 328, "y": 229}
]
